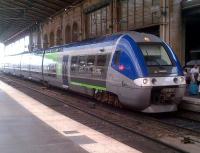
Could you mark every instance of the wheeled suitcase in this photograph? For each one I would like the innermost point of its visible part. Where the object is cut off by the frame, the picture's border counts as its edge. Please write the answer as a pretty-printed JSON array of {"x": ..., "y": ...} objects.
[{"x": 193, "y": 89}]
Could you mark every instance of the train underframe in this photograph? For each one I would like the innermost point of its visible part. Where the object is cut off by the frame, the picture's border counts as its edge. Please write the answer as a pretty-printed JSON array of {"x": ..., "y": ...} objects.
[
  {"x": 161, "y": 99},
  {"x": 107, "y": 97}
]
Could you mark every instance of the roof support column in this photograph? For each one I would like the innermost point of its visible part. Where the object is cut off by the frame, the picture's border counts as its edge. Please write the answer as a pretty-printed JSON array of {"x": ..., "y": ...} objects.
[{"x": 171, "y": 26}]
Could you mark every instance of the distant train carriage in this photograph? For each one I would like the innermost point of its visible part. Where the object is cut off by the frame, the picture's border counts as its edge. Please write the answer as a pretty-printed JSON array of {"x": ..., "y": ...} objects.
[{"x": 136, "y": 70}]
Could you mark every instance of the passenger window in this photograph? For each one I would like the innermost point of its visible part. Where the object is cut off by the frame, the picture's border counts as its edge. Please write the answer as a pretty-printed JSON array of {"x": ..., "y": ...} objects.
[
  {"x": 74, "y": 65},
  {"x": 82, "y": 64},
  {"x": 117, "y": 57},
  {"x": 74, "y": 60},
  {"x": 90, "y": 63},
  {"x": 82, "y": 61},
  {"x": 101, "y": 60},
  {"x": 90, "y": 60}
]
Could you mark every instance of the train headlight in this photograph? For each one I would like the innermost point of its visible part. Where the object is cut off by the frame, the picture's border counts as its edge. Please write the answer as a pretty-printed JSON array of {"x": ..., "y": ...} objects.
[
  {"x": 145, "y": 81},
  {"x": 175, "y": 80},
  {"x": 153, "y": 81},
  {"x": 182, "y": 79}
]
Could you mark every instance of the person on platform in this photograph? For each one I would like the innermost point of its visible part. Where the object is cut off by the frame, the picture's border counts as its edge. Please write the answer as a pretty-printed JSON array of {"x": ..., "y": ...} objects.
[
  {"x": 193, "y": 87},
  {"x": 194, "y": 72},
  {"x": 187, "y": 76}
]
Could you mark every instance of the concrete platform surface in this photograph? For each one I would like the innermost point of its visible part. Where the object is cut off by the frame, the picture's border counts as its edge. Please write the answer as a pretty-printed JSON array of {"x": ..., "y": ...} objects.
[
  {"x": 22, "y": 132},
  {"x": 27, "y": 126},
  {"x": 191, "y": 103}
]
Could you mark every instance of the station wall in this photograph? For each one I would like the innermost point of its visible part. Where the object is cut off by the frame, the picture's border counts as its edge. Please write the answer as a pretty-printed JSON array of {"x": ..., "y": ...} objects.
[{"x": 93, "y": 18}]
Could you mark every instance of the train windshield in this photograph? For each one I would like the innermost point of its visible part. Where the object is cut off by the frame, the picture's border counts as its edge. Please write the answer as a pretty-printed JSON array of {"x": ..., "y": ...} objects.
[
  {"x": 155, "y": 55},
  {"x": 157, "y": 60}
]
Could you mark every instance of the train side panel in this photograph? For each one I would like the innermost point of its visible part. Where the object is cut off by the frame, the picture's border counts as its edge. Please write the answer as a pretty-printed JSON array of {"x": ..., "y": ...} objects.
[
  {"x": 36, "y": 66},
  {"x": 88, "y": 68},
  {"x": 25, "y": 65},
  {"x": 16, "y": 60},
  {"x": 7, "y": 64},
  {"x": 52, "y": 67}
]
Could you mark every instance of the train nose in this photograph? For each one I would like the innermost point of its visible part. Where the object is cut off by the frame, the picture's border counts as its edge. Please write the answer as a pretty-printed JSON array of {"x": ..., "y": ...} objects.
[
  {"x": 162, "y": 95},
  {"x": 163, "y": 99}
]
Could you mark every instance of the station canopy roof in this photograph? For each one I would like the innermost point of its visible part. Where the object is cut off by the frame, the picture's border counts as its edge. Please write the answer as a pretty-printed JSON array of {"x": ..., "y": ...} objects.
[
  {"x": 191, "y": 8},
  {"x": 18, "y": 15}
]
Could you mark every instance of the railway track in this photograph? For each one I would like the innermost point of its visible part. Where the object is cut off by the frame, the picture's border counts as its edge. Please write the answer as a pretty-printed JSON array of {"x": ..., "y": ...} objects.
[
  {"x": 180, "y": 122},
  {"x": 135, "y": 123},
  {"x": 194, "y": 116}
]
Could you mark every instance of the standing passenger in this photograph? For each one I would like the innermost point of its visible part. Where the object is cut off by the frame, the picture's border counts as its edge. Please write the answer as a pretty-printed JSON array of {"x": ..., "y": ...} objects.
[
  {"x": 193, "y": 88},
  {"x": 194, "y": 72},
  {"x": 187, "y": 76}
]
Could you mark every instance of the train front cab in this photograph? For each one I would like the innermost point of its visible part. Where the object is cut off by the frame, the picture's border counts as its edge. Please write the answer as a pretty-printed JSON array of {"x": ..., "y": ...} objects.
[
  {"x": 165, "y": 77},
  {"x": 150, "y": 77}
]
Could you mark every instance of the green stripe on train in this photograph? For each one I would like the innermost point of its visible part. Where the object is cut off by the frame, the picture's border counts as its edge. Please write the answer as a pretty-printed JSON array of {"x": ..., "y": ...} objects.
[
  {"x": 55, "y": 58},
  {"x": 88, "y": 86}
]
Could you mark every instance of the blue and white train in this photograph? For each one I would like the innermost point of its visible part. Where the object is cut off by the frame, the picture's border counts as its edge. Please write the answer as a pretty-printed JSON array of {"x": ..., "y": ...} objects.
[{"x": 135, "y": 70}]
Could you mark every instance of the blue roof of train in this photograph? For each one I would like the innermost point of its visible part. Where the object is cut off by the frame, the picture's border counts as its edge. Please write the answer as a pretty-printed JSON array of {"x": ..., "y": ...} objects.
[
  {"x": 107, "y": 38},
  {"x": 102, "y": 39},
  {"x": 138, "y": 37}
]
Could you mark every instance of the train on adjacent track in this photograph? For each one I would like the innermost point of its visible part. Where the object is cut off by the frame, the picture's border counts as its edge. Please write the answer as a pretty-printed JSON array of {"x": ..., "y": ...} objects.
[{"x": 135, "y": 70}]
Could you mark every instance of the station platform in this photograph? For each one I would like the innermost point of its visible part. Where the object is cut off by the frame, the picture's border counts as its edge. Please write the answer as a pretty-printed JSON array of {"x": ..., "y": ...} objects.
[
  {"x": 27, "y": 126},
  {"x": 191, "y": 103}
]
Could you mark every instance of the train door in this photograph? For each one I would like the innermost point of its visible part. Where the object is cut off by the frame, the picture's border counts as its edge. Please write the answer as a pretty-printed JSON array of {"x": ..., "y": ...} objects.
[{"x": 65, "y": 71}]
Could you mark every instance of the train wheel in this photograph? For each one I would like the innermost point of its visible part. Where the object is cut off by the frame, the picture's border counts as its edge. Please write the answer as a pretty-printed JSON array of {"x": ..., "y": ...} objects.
[
  {"x": 108, "y": 98},
  {"x": 98, "y": 96},
  {"x": 111, "y": 99},
  {"x": 117, "y": 102},
  {"x": 105, "y": 97},
  {"x": 46, "y": 84}
]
